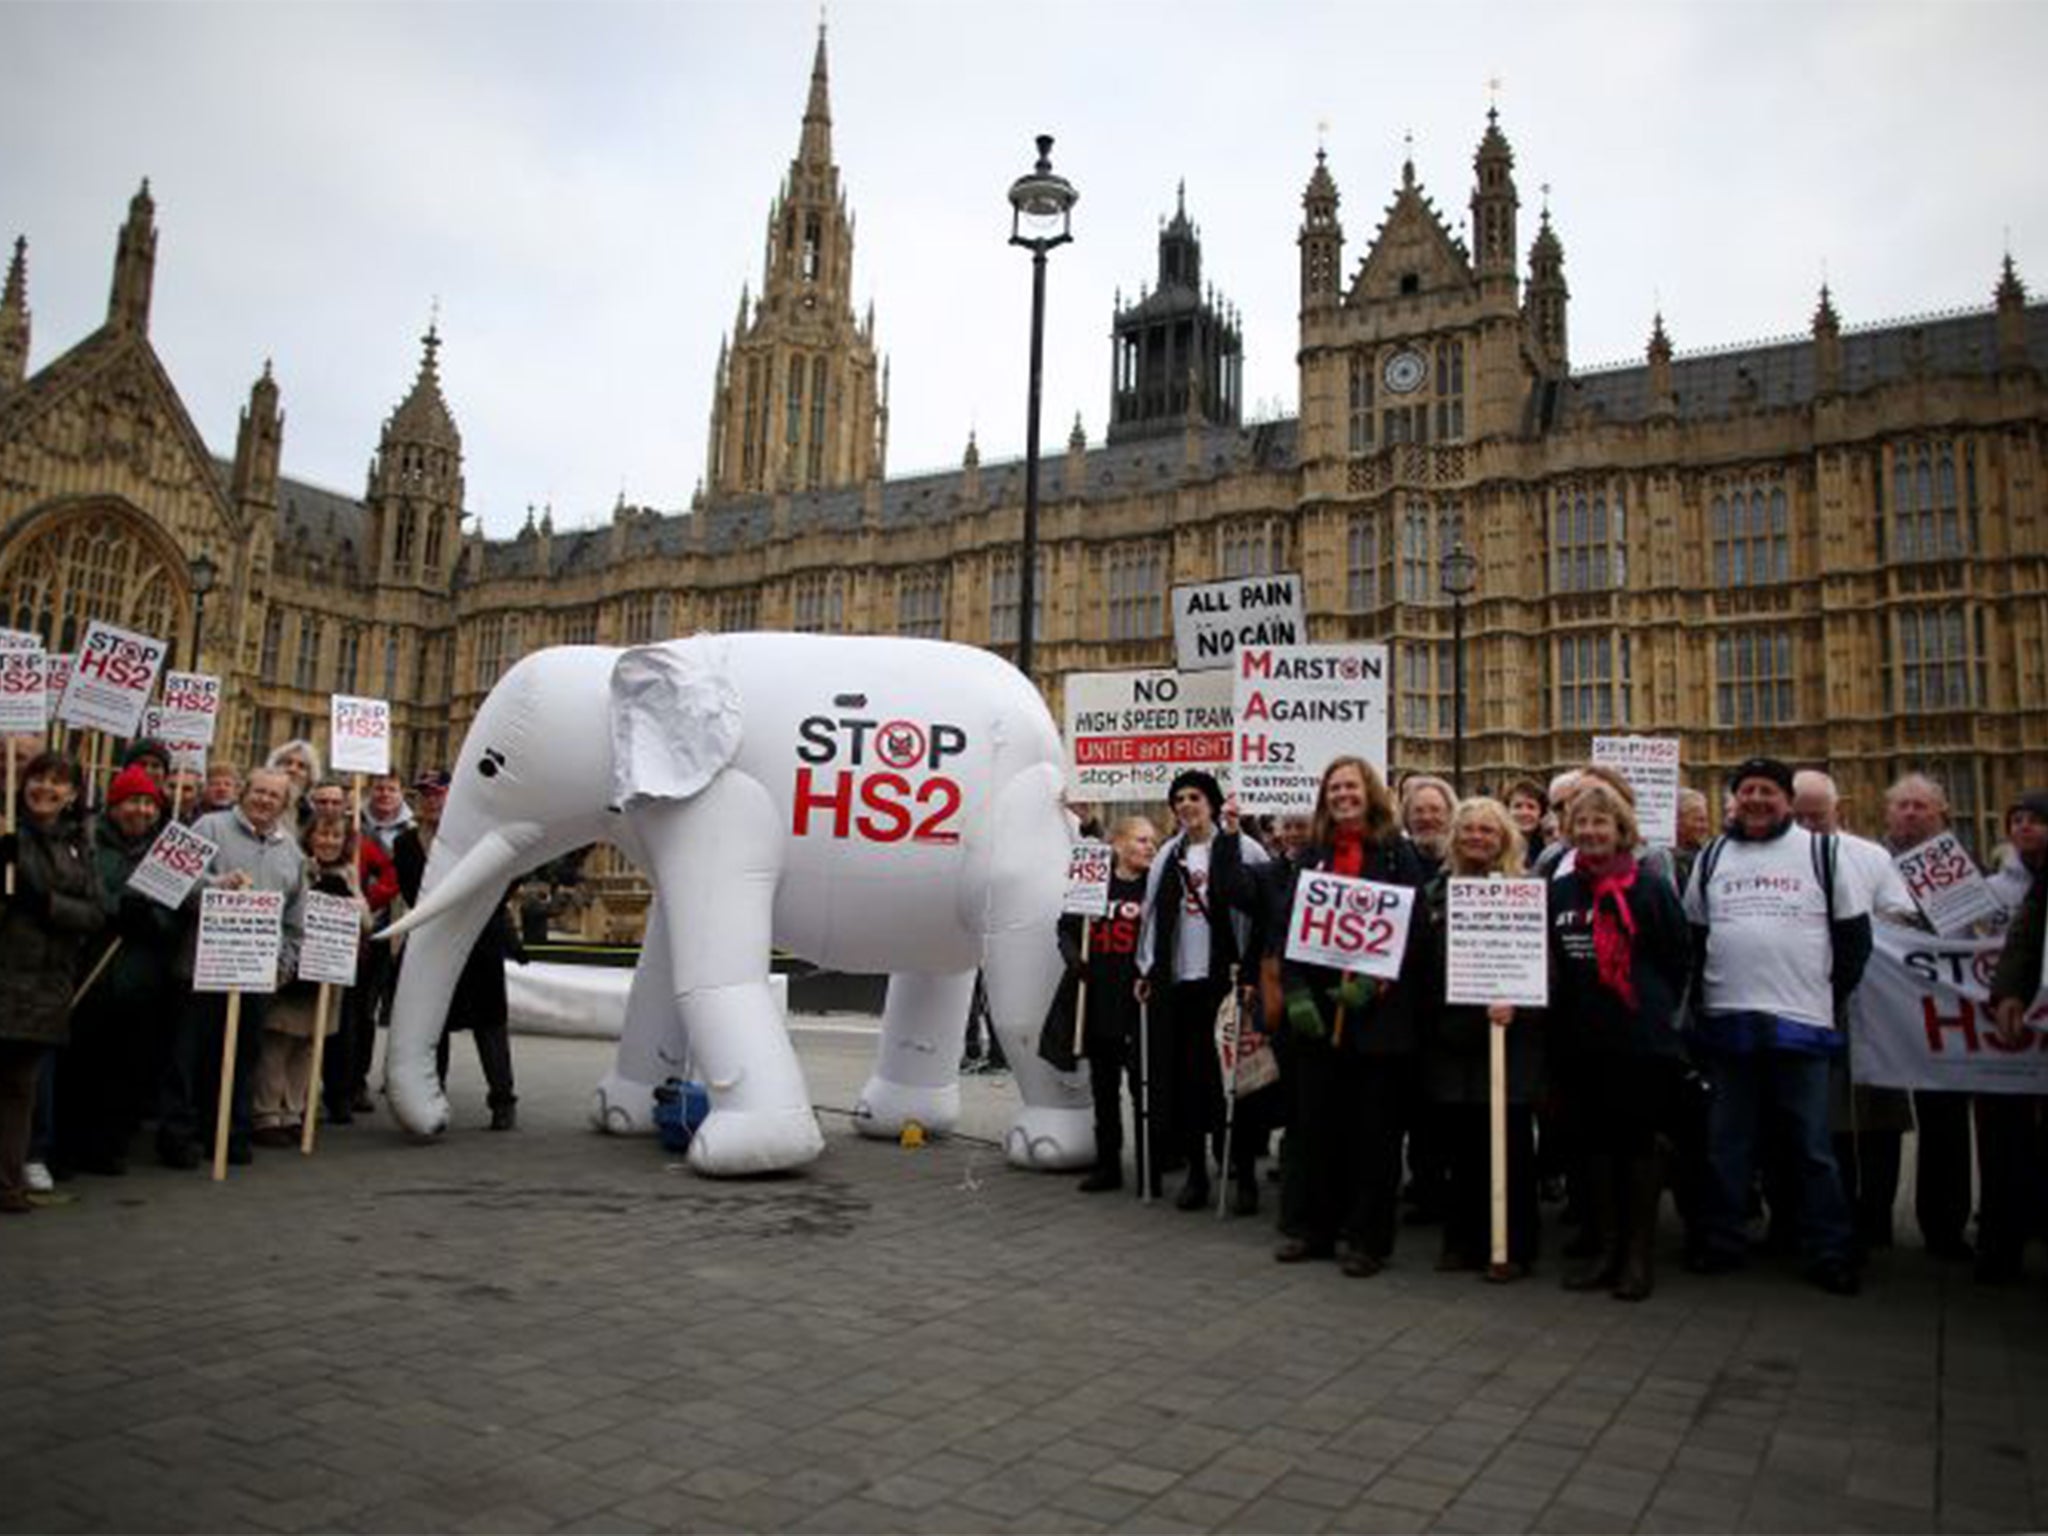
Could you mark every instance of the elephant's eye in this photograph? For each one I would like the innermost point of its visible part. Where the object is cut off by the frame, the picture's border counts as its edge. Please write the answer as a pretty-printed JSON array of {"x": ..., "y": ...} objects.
[{"x": 492, "y": 761}]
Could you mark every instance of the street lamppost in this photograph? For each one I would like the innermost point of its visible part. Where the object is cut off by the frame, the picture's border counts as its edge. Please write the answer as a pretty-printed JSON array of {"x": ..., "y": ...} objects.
[
  {"x": 1458, "y": 576},
  {"x": 203, "y": 572},
  {"x": 1041, "y": 209}
]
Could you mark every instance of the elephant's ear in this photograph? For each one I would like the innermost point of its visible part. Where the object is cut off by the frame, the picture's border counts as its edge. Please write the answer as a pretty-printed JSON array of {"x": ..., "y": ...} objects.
[{"x": 675, "y": 720}]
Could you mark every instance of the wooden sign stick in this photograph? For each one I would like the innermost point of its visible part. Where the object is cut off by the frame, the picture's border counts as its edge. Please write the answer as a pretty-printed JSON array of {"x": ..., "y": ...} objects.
[
  {"x": 313, "y": 1077},
  {"x": 227, "y": 1085},
  {"x": 1497, "y": 1104},
  {"x": 1081, "y": 988}
]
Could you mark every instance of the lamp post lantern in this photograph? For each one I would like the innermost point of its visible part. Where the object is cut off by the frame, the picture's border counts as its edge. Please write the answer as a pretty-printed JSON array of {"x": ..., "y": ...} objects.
[
  {"x": 1458, "y": 576},
  {"x": 1041, "y": 214},
  {"x": 203, "y": 572}
]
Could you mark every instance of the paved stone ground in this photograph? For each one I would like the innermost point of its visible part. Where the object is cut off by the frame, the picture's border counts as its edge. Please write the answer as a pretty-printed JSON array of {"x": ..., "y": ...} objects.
[{"x": 552, "y": 1330}]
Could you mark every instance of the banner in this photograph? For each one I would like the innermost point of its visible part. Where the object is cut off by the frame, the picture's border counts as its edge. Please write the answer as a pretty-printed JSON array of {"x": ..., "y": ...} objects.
[
  {"x": 1213, "y": 621},
  {"x": 176, "y": 859},
  {"x": 24, "y": 710},
  {"x": 1088, "y": 867},
  {"x": 332, "y": 939},
  {"x": 1497, "y": 948},
  {"x": 111, "y": 680},
  {"x": 1129, "y": 733},
  {"x": 359, "y": 735},
  {"x": 1922, "y": 1019},
  {"x": 1650, "y": 765},
  {"x": 240, "y": 936},
  {"x": 1945, "y": 882},
  {"x": 1297, "y": 708},
  {"x": 191, "y": 708},
  {"x": 1349, "y": 924}
]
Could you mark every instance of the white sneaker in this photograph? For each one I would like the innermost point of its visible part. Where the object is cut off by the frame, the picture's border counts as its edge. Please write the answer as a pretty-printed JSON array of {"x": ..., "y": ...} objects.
[{"x": 39, "y": 1180}]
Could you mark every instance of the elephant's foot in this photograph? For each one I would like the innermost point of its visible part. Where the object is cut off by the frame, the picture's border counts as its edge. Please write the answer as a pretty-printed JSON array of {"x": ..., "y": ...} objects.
[
  {"x": 732, "y": 1143},
  {"x": 621, "y": 1107},
  {"x": 1042, "y": 1137},
  {"x": 884, "y": 1108}
]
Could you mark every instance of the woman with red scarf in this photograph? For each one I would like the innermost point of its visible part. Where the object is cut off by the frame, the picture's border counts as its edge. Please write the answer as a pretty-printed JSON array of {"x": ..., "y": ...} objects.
[
  {"x": 1620, "y": 953},
  {"x": 1351, "y": 1039}
]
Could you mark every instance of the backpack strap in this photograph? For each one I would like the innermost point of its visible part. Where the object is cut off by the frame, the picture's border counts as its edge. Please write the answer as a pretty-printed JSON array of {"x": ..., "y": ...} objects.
[{"x": 1703, "y": 871}]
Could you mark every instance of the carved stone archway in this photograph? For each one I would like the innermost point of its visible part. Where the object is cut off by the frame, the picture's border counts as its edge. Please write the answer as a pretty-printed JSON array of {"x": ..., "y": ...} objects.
[{"x": 95, "y": 559}]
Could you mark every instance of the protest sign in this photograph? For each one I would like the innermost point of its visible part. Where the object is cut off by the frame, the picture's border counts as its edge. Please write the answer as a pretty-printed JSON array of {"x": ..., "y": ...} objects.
[
  {"x": 1349, "y": 924},
  {"x": 1922, "y": 1018},
  {"x": 1243, "y": 1051},
  {"x": 359, "y": 737},
  {"x": 240, "y": 935},
  {"x": 190, "y": 711},
  {"x": 186, "y": 756},
  {"x": 1496, "y": 947},
  {"x": 24, "y": 711},
  {"x": 56, "y": 678},
  {"x": 1944, "y": 880},
  {"x": 111, "y": 680},
  {"x": 1215, "y": 620},
  {"x": 1129, "y": 733},
  {"x": 333, "y": 935},
  {"x": 19, "y": 640},
  {"x": 176, "y": 859},
  {"x": 1650, "y": 764},
  {"x": 1297, "y": 707},
  {"x": 1088, "y": 867}
]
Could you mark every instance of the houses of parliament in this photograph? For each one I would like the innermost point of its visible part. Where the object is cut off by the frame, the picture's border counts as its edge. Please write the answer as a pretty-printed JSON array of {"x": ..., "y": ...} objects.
[{"x": 1832, "y": 547}]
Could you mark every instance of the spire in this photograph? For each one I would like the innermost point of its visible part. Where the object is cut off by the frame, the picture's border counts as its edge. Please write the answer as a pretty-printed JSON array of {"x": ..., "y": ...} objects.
[
  {"x": 1545, "y": 301},
  {"x": 1494, "y": 201},
  {"x": 2010, "y": 290},
  {"x": 1077, "y": 439},
  {"x": 14, "y": 318},
  {"x": 816, "y": 148},
  {"x": 2011, "y": 295},
  {"x": 1827, "y": 345},
  {"x": 134, "y": 265},
  {"x": 971, "y": 459},
  {"x": 259, "y": 443},
  {"x": 1825, "y": 321},
  {"x": 1660, "y": 344},
  {"x": 422, "y": 418},
  {"x": 1321, "y": 239}
]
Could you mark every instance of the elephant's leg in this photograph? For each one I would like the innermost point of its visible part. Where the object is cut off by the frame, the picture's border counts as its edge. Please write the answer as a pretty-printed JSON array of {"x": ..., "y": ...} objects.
[
  {"x": 1021, "y": 968},
  {"x": 917, "y": 1064},
  {"x": 715, "y": 859},
  {"x": 652, "y": 1046}
]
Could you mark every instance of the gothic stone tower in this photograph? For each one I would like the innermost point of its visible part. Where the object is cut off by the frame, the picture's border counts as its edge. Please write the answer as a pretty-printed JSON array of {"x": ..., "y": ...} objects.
[
  {"x": 1177, "y": 355},
  {"x": 795, "y": 404}
]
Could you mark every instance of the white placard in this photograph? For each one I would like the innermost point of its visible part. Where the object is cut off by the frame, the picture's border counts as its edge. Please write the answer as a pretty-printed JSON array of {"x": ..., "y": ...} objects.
[
  {"x": 1214, "y": 621},
  {"x": 1088, "y": 867},
  {"x": 190, "y": 710},
  {"x": 1129, "y": 733},
  {"x": 359, "y": 735},
  {"x": 333, "y": 938},
  {"x": 185, "y": 755},
  {"x": 176, "y": 859},
  {"x": 1297, "y": 708},
  {"x": 240, "y": 935},
  {"x": 19, "y": 640},
  {"x": 1922, "y": 1018},
  {"x": 1650, "y": 764},
  {"x": 1952, "y": 893},
  {"x": 111, "y": 679},
  {"x": 56, "y": 677},
  {"x": 1497, "y": 944},
  {"x": 1349, "y": 924},
  {"x": 24, "y": 709}
]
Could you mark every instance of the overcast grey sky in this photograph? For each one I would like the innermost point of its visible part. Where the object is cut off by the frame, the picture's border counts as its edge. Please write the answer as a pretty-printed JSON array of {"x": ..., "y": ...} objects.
[{"x": 583, "y": 187}]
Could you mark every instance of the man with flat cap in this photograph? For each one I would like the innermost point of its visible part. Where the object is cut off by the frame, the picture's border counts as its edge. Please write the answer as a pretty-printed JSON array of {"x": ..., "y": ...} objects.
[{"x": 1782, "y": 933}]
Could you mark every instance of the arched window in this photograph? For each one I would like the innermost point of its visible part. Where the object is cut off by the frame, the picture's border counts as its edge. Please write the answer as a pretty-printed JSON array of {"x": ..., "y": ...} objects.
[{"x": 101, "y": 563}]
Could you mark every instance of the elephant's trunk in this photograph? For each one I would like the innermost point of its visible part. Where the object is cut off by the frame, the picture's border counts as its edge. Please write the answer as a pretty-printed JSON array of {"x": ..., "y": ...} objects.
[{"x": 441, "y": 931}]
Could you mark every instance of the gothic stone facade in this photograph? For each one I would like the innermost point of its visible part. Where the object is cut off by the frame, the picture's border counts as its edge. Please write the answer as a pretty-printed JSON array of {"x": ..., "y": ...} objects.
[{"x": 1833, "y": 547}]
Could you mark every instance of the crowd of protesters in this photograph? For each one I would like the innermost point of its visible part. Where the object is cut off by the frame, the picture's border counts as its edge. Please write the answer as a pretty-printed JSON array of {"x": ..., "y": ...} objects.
[
  {"x": 102, "y": 1036},
  {"x": 1696, "y": 1037}
]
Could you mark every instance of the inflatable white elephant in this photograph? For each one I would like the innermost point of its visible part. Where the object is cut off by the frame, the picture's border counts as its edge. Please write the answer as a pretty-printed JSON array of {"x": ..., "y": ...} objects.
[{"x": 866, "y": 804}]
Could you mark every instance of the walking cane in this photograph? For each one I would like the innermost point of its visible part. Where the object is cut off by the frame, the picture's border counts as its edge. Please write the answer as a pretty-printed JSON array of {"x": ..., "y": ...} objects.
[
  {"x": 98, "y": 970},
  {"x": 1497, "y": 1106},
  {"x": 1144, "y": 1126},
  {"x": 1081, "y": 987},
  {"x": 1231, "y": 1034}
]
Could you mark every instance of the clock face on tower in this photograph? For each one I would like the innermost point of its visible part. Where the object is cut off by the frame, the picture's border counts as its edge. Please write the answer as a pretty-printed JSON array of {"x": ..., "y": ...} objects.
[{"x": 1404, "y": 372}]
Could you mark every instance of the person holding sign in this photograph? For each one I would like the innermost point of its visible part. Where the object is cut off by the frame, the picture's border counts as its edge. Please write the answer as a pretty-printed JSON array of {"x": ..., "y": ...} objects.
[
  {"x": 1109, "y": 1039},
  {"x": 1484, "y": 842},
  {"x": 51, "y": 909},
  {"x": 1351, "y": 1039},
  {"x": 284, "y": 1064},
  {"x": 1196, "y": 927},
  {"x": 2012, "y": 1128},
  {"x": 253, "y": 852},
  {"x": 1620, "y": 956},
  {"x": 108, "y": 1074}
]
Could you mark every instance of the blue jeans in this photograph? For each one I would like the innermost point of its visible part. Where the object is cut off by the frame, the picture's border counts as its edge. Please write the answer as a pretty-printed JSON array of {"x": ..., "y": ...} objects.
[{"x": 1793, "y": 1090}]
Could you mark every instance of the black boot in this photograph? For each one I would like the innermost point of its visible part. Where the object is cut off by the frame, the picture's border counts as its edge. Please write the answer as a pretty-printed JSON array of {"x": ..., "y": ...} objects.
[
  {"x": 1103, "y": 1177},
  {"x": 1244, "y": 1200},
  {"x": 1604, "y": 1267},
  {"x": 1642, "y": 1195}
]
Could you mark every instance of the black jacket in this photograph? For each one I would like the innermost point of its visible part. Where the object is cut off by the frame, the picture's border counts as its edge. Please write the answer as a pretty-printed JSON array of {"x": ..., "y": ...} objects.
[
  {"x": 1230, "y": 893},
  {"x": 1590, "y": 1018},
  {"x": 1390, "y": 1023},
  {"x": 1456, "y": 1049},
  {"x": 2019, "y": 963}
]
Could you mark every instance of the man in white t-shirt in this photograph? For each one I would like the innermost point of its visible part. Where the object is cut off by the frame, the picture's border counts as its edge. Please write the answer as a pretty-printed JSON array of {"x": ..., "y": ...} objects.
[{"x": 1783, "y": 937}]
